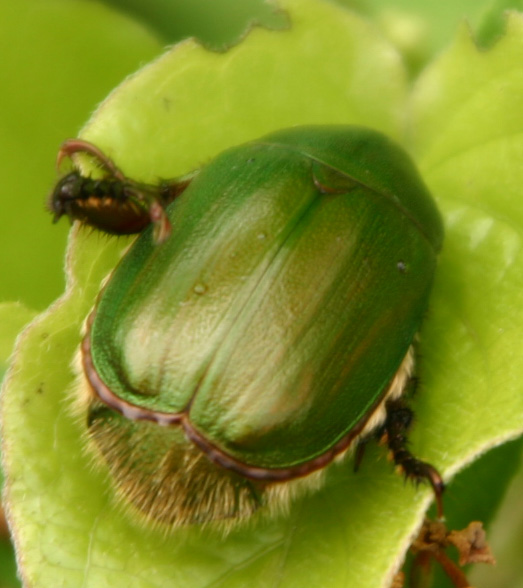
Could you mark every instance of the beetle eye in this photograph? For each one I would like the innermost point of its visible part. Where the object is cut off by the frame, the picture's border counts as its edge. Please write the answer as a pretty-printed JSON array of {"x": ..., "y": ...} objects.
[{"x": 67, "y": 188}]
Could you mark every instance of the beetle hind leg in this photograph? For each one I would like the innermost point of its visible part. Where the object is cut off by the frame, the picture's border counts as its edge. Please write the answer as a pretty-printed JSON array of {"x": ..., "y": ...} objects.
[{"x": 397, "y": 423}]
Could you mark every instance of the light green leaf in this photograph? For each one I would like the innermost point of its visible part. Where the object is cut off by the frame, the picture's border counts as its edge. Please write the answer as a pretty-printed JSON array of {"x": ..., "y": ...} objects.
[
  {"x": 172, "y": 116},
  {"x": 467, "y": 128},
  {"x": 422, "y": 29},
  {"x": 13, "y": 316},
  {"x": 194, "y": 103}
]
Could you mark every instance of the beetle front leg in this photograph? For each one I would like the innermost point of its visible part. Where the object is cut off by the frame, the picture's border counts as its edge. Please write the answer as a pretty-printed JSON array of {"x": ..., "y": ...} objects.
[
  {"x": 114, "y": 204},
  {"x": 397, "y": 423},
  {"x": 71, "y": 146}
]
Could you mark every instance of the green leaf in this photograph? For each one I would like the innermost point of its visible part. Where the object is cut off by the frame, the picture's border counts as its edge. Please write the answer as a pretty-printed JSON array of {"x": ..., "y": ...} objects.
[
  {"x": 8, "y": 577},
  {"x": 216, "y": 24},
  {"x": 506, "y": 538},
  {"x": 172, "y": 116},
  {"x": 492, "y": 25}
]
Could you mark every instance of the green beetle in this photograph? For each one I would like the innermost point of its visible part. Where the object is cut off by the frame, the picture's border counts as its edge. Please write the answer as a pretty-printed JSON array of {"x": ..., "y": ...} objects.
[{"x": 226, "y": 365}]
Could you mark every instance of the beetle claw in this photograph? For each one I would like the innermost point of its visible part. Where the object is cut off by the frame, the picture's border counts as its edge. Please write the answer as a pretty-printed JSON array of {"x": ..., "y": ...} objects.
[{"x": 160, "y": 220}]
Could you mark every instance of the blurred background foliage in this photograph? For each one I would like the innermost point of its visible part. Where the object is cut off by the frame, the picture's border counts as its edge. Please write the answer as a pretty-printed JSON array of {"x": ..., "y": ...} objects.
[{"x": 60, "y": 58}]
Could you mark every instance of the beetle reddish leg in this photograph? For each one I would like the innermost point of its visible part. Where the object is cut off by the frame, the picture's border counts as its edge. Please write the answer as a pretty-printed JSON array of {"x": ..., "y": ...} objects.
[
  {"x": 71, "y": 146},
  {"x": 115, "y": 203},
  {"x": 399, "y": 418}
]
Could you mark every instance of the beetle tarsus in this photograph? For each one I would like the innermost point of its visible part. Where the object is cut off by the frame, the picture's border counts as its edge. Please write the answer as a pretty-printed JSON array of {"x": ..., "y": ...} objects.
[{"x": 399, "y": 418}]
